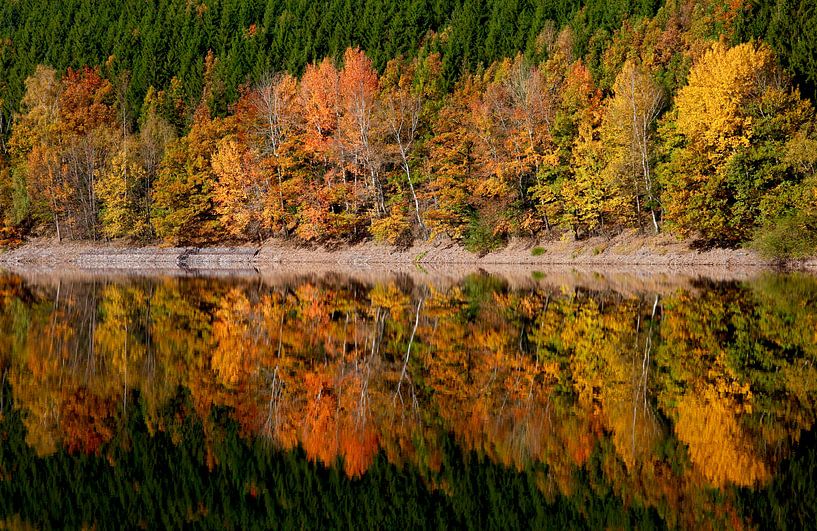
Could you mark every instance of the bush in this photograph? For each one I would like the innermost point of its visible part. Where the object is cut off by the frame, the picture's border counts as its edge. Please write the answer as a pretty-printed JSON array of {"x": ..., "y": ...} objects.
[
  {"x": 392, "y": 229},
  {"x": 537, "y": 251},
  {"x": 790, "y": 238},
  {"x": 480, "y": 237},
  {"x": 9, "y": 238}
]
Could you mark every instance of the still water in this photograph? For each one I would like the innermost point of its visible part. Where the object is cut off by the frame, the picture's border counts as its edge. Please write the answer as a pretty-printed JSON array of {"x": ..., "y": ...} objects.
[{"x": 405, "y": 400}]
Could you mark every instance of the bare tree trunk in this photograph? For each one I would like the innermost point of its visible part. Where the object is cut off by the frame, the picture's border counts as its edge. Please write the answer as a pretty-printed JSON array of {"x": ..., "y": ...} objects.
[{"x": 408, "y": 350}]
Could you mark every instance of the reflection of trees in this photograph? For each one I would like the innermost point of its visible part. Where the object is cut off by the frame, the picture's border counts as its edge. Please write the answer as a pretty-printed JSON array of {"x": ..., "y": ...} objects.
[
  {"x": 664, "y": 397},
  {"x": 731, "y": 365}
]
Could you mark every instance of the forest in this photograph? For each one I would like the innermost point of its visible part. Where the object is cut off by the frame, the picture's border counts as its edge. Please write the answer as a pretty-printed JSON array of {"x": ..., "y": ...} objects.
[{"x": 188, "y": 123}]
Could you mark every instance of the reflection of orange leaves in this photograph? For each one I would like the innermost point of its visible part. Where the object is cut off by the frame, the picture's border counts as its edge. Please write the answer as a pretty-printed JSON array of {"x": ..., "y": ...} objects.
[
  {"x": 491, "y": 340},
  {"x": 579, "y": 439},
  {"x": 359, "y": 448},
  {"x": 312, "y": 302},
  {"x": 86, "y": 421},
  {"x": 335, "y": 426},
  {"x": 46, "y": 351},
  {"x": 319, "y": 433},
  {"x": 237, "y": 351},
  {"x": 533, "y": 379}
]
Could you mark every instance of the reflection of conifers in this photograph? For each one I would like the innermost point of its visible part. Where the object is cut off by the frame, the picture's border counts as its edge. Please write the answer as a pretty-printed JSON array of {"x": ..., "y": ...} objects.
[{"x": 630, "y": 386}]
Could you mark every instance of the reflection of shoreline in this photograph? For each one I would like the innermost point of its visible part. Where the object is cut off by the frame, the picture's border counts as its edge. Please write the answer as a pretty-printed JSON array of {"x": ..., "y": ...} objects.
[{"x": 621, "y": 279}]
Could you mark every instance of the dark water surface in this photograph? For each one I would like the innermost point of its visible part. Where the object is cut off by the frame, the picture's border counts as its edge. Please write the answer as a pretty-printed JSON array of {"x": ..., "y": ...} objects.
[{"x": 401, "y": 401}]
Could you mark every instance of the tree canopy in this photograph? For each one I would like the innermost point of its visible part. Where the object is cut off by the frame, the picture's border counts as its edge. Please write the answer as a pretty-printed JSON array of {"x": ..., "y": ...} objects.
[{"x": 481, "y": 120}]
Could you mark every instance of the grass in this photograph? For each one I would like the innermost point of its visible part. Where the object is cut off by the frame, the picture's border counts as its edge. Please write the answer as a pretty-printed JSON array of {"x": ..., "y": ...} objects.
[{"x": 537, "y": 251}]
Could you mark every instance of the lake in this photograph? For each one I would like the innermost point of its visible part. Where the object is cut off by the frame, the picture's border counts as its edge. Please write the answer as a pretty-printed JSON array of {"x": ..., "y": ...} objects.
[{"x": 336, "y": 399}]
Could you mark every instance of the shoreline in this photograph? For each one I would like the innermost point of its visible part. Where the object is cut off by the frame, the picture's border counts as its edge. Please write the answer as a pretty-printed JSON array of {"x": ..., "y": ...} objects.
[{"x": 625, "y": 251}]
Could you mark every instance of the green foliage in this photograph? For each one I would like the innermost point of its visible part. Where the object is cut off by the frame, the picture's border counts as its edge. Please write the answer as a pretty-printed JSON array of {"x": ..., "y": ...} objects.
[
  {"x": 146, "y": 478},
  {"x": 790, "y": 238},
  {"x": 790, "y": 26},
  {"x": 157, "y": 42},
  {"x": 480, "y": 237}
]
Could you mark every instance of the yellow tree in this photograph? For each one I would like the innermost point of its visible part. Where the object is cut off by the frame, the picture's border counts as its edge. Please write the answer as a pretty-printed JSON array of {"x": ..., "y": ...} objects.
[
  {"x": 270, "y": 123},
  {"x": 183, "y": 200},
  {"x": 628, "y": 135},
  {"x": 238, "y": 193},
  {"x": 724, "y": 141},
  {"x": 86, "y": 137},
  {"x": 33, "y": 133},
  {"x": 590, "y": 197},
  {"x": 63, "y": 140},
  {"x": 155, "y": 135},
  {"x": 120, "y": 189},
  {"x": 406, "y": 89},
  {"x": 451, "y": 163}
]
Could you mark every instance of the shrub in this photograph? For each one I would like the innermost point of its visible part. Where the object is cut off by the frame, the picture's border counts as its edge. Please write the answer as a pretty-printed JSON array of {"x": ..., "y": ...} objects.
[
  {"x": 790, "y": 238},
  {"x": 480, "y": 237}
]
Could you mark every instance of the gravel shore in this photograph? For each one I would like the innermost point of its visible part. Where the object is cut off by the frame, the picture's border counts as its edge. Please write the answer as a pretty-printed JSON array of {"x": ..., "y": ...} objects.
[{"x": 626, "y": 251}]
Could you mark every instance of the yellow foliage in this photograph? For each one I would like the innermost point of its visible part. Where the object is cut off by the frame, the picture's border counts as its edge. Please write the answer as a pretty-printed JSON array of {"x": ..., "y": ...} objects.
[
  {"x": 718, "y": 446},
  {"x": 392, "y": 228},
  {"x": 240, "y": 193},
  {"x": 712, "y": 106}
]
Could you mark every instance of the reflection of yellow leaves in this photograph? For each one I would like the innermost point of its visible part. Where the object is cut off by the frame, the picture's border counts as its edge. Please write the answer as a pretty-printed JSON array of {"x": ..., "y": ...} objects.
[
  {"x": 718, "y": 446},
  {"x": 522, "y": 377},
  {"x": 389, "y": 297},
  {"x": 40, "y": 421}
]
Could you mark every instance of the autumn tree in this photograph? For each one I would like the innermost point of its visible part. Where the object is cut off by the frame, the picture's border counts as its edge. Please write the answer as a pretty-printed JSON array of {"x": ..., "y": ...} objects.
[
  {"x": 64, "y": 140},
  {"x": 183, "y": 205},
  {"x": 406, "y": 90},
  {"x": 449, "y": 165},
  {"x": 589, "y": 197},
  {"x": 125, "y": 185},
  {"x": 329, "y": 208},
  {"x": 358, "y": 90},
  {"x": 155, "y": 135},
  {"x": 534, "y": 105},
  {"x": 240, "y": 191},
  {"x": 88, "y": 132},
  {"x": 269, "y": 121},
  {"x": 121, "y": 188},
  {"x": 628, "y": 134},
  {"x": 725, "y": 141},
  {"x": 35, "y": 131}
]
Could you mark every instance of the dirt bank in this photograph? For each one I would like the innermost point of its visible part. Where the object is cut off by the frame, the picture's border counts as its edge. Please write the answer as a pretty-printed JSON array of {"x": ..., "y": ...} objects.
[{"x": 626, "y": 251}]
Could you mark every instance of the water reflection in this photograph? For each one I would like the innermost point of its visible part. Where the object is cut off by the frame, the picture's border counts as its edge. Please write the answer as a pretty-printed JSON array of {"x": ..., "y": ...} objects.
[{"x": 614, "y": 408}]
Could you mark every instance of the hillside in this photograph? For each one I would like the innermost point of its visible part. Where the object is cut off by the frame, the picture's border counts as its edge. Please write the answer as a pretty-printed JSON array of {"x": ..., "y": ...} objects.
[{"x": 231, "y": 121}]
